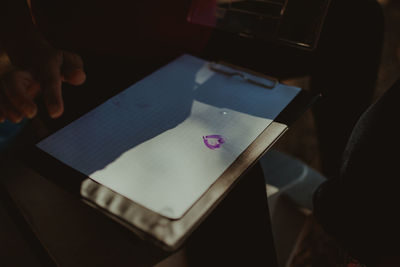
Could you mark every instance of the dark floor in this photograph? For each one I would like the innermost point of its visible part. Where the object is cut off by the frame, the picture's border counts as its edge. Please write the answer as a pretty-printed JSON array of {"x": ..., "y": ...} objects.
[{"x": 317, "y": 249}]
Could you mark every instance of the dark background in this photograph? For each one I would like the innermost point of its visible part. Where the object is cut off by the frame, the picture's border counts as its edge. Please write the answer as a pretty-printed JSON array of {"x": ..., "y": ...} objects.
[{"x": 315, "y": 248}]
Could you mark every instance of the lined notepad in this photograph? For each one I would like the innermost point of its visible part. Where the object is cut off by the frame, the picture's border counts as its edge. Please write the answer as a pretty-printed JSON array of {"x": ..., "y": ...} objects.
[{"x": 165, "y": 140}]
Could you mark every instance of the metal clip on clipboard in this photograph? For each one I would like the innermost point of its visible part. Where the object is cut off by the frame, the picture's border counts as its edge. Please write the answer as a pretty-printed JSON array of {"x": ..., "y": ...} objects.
[
  {"x": 266, "y": 82},
  {"x": 295, "y": 23}
]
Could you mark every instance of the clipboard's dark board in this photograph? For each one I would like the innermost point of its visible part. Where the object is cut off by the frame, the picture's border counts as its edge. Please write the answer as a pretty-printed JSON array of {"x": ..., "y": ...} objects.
[{"x": 169, "y": 234}]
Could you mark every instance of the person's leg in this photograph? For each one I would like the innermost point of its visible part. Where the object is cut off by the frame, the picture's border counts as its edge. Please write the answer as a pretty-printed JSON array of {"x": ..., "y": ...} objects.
[{"x": 345, "y": 72}]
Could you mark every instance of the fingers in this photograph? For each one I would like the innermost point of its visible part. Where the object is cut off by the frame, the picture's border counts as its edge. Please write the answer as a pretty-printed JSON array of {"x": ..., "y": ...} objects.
[
  {"x": 50, "y": 80},
  {"x": 63, "y": 66},
  {"x": 19, "y": 90},
  {"x": 8, "y": 111},
  {"x": 72, "y": 68},
  {"x": 33, "y": 90},
  {"x": 15, "y": 88},
  {"x": 16, "y": 102}
]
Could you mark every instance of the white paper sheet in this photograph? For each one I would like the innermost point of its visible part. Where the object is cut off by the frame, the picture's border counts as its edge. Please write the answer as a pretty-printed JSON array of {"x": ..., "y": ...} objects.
[{"x": 165, "y": 140}]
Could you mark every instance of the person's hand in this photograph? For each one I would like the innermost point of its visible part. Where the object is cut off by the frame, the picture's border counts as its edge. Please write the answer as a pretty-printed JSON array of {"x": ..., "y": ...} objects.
[
  {"x": 18, "y": 90},
  {"x": 47, "y": 67}
]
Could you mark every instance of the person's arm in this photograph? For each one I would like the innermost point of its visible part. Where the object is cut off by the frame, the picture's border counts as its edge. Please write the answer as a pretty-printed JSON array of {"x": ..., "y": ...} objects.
[{"x": 40, "y": 65}]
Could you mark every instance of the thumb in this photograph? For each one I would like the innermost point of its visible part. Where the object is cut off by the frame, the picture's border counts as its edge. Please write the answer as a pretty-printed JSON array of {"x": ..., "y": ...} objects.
[{"x": 72, "y": 69}]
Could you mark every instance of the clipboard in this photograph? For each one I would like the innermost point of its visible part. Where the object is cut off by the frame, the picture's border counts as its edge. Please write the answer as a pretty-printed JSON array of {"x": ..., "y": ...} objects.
[{"x": 170, "y": 233}]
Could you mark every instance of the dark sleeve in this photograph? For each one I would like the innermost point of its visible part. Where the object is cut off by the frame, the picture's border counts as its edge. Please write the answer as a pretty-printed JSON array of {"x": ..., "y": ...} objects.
[{"x": 359, "y": 208}]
